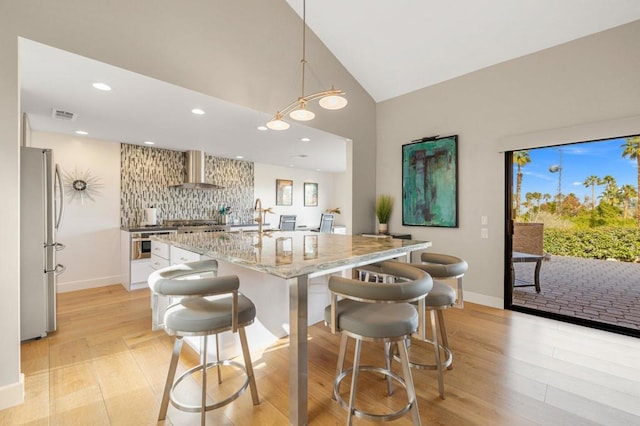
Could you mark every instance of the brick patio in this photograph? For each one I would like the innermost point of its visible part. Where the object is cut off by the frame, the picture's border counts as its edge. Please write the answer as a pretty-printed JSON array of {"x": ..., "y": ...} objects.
[{"x": 598, "y": 290}]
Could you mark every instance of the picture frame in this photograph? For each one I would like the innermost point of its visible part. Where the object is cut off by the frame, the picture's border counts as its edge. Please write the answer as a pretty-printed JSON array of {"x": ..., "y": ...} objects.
[
  {"x": 310, "y": 194},
  {"x": 284, "y": 192},
  {"x": 430, "y": 182}
]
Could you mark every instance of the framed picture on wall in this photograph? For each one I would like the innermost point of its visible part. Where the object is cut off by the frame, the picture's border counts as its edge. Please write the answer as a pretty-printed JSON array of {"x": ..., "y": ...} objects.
[
  {"x": 430, "y": 182},
  {"x": 310, "y": 194},
  {"x": 284, "y": 192}
]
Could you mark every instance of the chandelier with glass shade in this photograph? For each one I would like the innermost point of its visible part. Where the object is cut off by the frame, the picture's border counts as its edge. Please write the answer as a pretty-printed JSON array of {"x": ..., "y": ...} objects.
[{"x": 328, "y": 99}]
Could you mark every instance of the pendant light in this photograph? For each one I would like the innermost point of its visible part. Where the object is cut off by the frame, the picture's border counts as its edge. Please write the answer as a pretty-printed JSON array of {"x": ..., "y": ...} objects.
[{"x": 329, "y": 99}]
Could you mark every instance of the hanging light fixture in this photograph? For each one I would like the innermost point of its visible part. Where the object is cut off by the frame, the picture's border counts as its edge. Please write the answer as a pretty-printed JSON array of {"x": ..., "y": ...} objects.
[{"x": 329, "y": 99}]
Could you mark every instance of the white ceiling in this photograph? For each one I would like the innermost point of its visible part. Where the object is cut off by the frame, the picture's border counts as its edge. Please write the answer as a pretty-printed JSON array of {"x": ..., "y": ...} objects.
[
  {"x": 390, "y": 47},
  {"x": 396, "y": 47},
  {"x": 139, "y": 108}
]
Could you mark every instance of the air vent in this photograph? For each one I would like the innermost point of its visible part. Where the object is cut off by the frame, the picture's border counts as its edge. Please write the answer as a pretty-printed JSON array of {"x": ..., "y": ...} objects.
[{"x": 62, "y": 115}]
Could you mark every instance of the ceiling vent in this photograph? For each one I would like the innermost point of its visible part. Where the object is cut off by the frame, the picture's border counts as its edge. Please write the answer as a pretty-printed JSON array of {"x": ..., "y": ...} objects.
[{"x": 62, "y": 115}]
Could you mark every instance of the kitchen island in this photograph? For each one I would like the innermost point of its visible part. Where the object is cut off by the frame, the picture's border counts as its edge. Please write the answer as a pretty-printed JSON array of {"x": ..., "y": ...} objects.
[{"x": 293, "y": 258}]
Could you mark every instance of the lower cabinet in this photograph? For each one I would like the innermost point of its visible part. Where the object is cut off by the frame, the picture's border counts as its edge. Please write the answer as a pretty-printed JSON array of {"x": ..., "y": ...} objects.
[
  {"x": 179, "y": 255},
  {"x": 159, "y": 255}
]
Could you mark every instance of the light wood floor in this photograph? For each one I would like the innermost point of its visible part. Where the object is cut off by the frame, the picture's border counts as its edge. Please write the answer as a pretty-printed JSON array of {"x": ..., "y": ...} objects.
[{"x": 105, "y": 366}]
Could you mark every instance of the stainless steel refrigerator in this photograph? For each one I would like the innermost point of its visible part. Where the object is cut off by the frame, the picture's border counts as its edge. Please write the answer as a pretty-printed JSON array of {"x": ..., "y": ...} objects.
[{"x": 41, "y": 209}]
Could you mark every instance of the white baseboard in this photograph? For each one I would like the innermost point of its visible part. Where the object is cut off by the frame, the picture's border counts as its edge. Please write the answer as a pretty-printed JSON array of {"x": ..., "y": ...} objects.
[
  {"x": 482, "y": 299},
  {"x": 85, "y": 284},
  {"x": 12, "y": 394}
]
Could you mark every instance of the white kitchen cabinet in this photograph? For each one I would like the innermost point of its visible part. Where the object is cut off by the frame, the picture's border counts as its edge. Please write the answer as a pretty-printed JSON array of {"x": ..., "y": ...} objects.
[
  {"x": 179, "y": 255},
  {"x": 140, "y": 270},
  {"x": 159, "y": 255},
  {"x": 160, "y": 249},
  {"x": 134, "y": 272}
]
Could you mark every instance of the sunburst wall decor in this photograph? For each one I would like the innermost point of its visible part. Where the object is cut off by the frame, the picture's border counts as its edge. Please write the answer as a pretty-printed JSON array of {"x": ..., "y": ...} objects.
[{"x": 81, "y": 184}]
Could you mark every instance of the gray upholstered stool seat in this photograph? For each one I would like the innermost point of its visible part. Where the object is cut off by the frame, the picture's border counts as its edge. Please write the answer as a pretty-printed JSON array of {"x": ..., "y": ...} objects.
[
  {"x": 208, "y": 305},
  {"x": 378, "y": 312},
  {"x": 375, "y": 321},
  {"x": 440, "y": 295},
  {"x": 201, "y": 314}
]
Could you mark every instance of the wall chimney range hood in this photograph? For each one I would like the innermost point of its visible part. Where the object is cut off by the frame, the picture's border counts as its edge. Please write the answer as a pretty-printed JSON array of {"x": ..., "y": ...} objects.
[{"x": 194, "y": 172}]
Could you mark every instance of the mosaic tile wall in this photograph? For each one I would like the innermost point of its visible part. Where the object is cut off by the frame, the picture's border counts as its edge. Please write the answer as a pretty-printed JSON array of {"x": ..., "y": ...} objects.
[{"x": 145, "y": 176}]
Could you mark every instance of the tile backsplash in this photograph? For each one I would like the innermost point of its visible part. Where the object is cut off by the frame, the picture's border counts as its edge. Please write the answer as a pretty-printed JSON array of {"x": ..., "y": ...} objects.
[{"x": 146, "y": 173}]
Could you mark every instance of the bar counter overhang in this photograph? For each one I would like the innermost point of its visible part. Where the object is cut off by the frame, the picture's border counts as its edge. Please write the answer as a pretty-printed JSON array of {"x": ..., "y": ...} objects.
[{"x": 295, "y": 257}]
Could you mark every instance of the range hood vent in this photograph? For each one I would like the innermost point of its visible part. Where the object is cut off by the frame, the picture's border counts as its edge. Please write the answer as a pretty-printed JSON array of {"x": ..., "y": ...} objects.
[{"x": 194, "y": 176}]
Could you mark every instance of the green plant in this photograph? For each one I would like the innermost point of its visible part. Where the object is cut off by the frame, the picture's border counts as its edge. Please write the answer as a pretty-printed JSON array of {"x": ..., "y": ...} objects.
[
  {"x": 384, "y": 206},
  {"x": 594, "y": 243}
]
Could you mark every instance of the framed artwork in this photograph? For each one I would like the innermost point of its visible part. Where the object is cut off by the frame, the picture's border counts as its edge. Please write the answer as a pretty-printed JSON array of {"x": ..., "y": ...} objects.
[
  {"x": 310, "y": 194},
  {"x": 284, "y": 192},
  {"x": 430, "y": 182}
]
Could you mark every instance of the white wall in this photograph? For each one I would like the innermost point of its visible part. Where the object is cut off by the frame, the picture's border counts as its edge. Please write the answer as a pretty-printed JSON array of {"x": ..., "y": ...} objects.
[
  {"x": 265, "y": 189},
  {"x": 590, "y": 84},
  {"x": 90, "y": 230}
]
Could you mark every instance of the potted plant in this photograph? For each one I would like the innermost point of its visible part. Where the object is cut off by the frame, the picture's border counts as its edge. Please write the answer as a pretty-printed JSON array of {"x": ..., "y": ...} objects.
[{"x": 384, "y": 206}]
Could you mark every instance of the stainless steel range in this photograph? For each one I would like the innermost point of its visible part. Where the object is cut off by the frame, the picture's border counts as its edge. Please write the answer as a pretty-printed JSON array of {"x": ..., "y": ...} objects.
[{"x": 196, "y": 225}]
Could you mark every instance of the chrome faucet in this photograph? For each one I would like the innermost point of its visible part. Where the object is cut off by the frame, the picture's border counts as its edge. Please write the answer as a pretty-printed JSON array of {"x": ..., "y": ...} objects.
[{"x": 258, "y": 208}]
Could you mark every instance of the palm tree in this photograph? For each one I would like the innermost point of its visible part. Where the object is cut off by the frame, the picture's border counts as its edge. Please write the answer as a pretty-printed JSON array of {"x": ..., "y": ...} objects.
[
  {"x": 546, "y": 197},
  {"x": 537, "y": 197},
  {"x": 610, "y": 190},
  {"x": 632, "y": 150},
  {"x": 592, "y": 181},
  {"x": 521, "y": 159},
  {"x": 627, "y": 193}
]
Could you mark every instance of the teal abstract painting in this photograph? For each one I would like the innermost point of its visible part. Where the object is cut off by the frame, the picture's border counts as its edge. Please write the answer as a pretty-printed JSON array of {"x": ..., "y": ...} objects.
[{"x": 430, "y": 182}]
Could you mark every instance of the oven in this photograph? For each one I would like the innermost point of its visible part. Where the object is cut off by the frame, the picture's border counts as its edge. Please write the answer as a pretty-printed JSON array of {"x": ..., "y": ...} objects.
[{"x": 141, "y": 243}]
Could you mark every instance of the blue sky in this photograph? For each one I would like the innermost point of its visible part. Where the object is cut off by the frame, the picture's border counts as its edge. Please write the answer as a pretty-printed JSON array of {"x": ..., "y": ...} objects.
[{"x": 578, "y": 162}]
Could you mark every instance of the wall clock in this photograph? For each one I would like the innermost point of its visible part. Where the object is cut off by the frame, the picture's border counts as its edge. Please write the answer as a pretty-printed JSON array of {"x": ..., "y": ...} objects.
[{"x": 81, "y": 184}]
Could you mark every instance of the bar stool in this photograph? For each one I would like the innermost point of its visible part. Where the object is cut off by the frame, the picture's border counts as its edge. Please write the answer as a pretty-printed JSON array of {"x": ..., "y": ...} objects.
[
  {"x": 377, "y": 312},
  {"x": 441, "y": 297},
  {"x": 198, "y": 315}
]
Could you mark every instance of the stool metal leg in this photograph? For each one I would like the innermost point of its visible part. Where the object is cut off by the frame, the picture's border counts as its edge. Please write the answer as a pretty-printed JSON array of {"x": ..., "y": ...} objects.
[
  {"x": 443, "y": 333},
  {"x": 387, "y": 365},
  {"x": 203, "y": 413},
  {"x": 354, "y": 381},
  {"x": 248, "y": 365},
  {"x": 436, "y": 349},
  {"x": 164, "y": 405},
  {"x": 408, "y": 379},
  {"x": 218, "y": 360},
  {"x": 341, "y": 355}
]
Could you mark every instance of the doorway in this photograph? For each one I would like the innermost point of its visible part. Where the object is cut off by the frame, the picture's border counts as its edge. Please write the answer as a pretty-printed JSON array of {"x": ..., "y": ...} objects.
[{"x": 572, "y": 249}]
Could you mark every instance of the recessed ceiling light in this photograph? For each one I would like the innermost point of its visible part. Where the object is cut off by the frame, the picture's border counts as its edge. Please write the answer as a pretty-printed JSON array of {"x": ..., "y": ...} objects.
[
  {"x": 317, "y": 170},
  {"x": 291, "y": 165},
  {"x": 305, "y": 140},
  {"x": 102, "y": 86},
  {"x": 149, "y": 143},
  {"x": 81, "y": 132},
  {"x": 197, "y": 111},
  {"x": 263, "y": 128},
  {"x": 239, "y": 157}
]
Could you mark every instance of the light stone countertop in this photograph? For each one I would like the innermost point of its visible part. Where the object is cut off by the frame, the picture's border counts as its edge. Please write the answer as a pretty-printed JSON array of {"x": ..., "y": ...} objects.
[{"x": 295, "y": 253}]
